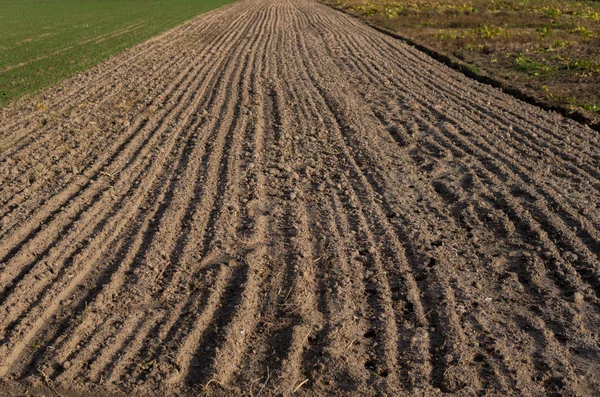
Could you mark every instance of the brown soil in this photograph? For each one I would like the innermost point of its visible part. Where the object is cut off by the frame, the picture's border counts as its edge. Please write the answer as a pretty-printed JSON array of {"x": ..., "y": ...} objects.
[{"x": 274, "y": 198}]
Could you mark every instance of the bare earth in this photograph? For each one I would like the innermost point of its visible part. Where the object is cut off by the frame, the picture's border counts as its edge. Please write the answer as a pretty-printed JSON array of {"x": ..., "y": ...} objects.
[{"x": 275, "y": 199}]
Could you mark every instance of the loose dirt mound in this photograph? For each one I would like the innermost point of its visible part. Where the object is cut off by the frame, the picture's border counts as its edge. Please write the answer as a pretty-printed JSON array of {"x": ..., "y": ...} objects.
[{"x": 274, "y": 198}]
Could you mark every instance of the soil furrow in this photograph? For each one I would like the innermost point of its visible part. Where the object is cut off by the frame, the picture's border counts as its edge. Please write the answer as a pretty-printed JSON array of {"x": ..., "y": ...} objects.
[
  {"x": 588, "y": 239},
  {"x": 275, "y": 199},
  {"x": 178, "y": 247},
  {"x": 165, "y": 97}
]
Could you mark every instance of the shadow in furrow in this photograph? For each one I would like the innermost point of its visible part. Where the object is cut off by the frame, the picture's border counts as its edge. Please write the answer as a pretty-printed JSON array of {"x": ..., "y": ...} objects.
[{"x": 213, "y": 336}]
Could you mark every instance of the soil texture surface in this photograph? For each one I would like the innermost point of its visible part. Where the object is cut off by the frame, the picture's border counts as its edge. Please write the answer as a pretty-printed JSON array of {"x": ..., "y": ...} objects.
[{"x": 275, "y": 199}]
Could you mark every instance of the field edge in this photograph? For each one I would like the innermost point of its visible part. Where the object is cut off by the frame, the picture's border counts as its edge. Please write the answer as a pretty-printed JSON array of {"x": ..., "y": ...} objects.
[{"x": 485, "y": 78}]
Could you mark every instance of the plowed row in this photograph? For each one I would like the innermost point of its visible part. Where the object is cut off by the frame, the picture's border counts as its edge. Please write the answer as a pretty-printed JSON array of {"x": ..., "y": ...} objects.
[{"x": 274, "y": 198}]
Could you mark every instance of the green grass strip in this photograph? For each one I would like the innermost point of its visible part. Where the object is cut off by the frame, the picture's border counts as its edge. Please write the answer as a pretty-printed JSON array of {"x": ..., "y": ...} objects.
[{"x": 45, "y": 41}]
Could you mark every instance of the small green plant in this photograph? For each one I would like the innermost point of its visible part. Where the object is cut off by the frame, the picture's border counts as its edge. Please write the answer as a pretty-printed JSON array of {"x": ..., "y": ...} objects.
[
  {"x": 367, "y": 9},
  {"x": 489, "y": 32},
  {"x": 555, "y": 46},
  {"x": 582, "y": 31},
  {"x": 444, "y": 34},
  {"x": 585, "y": 65},
  {"x": 544, "y": 31},
  {"x": 501, "y": 5},
  {"x": 393, "y": 11},
  {"x": 474, "y": 47},
  {"x": 553, "y": 12},
  {"x": 466, "y": 9},
  {"x": 593, "y": 107},
  {"x": 559, "y": 44},
  {"x": 588, "y": 14},
  {"x": 550, "y": 95}
]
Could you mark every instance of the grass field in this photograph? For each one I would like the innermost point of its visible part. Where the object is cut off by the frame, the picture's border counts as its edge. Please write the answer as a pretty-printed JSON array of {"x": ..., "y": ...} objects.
[
  {"x": 549, "y": 49},
  {"x": 44, "y": 41}
]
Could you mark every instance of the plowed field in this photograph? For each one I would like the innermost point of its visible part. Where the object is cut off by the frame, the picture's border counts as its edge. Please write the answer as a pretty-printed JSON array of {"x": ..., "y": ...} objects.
[{"x": 274, "y": 198}]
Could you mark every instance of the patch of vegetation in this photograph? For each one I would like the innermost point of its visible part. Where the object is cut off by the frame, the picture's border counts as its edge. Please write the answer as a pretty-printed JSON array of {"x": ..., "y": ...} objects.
[
  {"x": 472, "y": 68},
  {"x": 544, "y": 31},
  {"x": 585, "y": 65},
  {"x": 44, "y": 41},
  {"x": 583, "y": 32},
  {"x": 489, "y": 32},
  {"x": 551, "y": 11},
  {"x": 531, "y": 66},
  {"x": 547, "y": 48}
]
